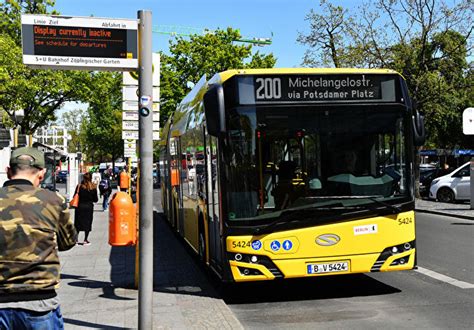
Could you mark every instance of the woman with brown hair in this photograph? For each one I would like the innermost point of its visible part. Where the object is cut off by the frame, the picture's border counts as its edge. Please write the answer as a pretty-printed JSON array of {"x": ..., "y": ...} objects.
[{"x": 87, "y": 191}]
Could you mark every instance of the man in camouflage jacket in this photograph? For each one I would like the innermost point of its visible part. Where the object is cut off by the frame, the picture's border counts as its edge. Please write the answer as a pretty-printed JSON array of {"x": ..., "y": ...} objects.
[{"x": 34, "y": 224}]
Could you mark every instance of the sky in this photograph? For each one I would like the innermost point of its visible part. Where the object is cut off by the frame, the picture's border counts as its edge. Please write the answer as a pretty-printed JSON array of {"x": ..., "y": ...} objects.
[{"x": 279, "y": 19}]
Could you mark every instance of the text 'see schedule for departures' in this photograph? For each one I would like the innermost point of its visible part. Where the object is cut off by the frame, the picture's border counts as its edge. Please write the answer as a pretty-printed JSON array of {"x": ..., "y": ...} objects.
[{"x": 80, "y": 41}]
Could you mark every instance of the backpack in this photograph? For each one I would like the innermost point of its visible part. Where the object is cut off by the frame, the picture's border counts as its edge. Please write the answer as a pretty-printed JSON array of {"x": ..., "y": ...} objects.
[{"x": 103, "y": 185}]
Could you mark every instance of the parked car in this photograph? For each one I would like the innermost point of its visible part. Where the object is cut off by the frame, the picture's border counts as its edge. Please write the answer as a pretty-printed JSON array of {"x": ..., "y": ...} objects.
[
  {"x": 427, "y": 167},
  {"x": 453, "y": 186},
  {"x": 61, "y": 177}
]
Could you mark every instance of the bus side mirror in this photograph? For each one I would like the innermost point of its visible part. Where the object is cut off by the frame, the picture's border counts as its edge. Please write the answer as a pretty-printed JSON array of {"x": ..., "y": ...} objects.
[
  {"x": 214, "y": 110},
  {"x": 419, "y": 135}
]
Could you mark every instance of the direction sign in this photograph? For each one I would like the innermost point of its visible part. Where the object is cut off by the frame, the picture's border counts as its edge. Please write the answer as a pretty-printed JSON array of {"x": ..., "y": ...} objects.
[
  {"x": 133, "y": 105},
  {"x": 133, "y": 115},
  {"x": 133, "y": 125},
  {"x": 134, "y": 135},
  {"x": 87, "y": 43},
  {"x": 129, "y": 154},
  {"x": 130, "y": 93}
]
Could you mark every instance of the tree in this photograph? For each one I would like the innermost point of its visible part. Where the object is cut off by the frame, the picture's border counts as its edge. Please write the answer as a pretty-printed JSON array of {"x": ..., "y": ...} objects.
[
  {"x": 103, "y": 129},
  {"x": 207, "y": 54},
  {"x": 428, "y": 42},
  {"x": 11, "y": 10},
  {"x": 327, "y": 34},
  {"x": 75, "y": 121},
  {"x": 38, "y": 92}
]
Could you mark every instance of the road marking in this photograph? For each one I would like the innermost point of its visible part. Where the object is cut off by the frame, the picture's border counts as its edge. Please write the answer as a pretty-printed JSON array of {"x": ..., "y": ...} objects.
[{"x": 444, "y": 278}]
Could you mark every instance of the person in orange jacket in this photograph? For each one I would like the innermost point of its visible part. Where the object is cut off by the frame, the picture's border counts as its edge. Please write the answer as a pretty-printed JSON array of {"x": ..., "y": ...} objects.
[{"x": 124, "y": 180}]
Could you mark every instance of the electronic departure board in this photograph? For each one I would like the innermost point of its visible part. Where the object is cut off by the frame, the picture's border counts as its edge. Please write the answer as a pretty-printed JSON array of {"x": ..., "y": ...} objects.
[{"x": 79, "y": 43}]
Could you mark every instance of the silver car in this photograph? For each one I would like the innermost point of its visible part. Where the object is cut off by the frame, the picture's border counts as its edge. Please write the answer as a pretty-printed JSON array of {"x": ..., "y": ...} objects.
[{"x": 452, "y": 186}]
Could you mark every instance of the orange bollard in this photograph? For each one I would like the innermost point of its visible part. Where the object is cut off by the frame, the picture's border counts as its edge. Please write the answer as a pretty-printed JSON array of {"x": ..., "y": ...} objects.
[
  {"x": 174, "y": 177},
  {"x": 122, "y": 220},
  {"x": 124, "y": 180}
]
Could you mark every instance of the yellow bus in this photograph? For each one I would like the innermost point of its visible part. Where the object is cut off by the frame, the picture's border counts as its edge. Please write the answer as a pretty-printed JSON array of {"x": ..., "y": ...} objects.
[{"x": 285, "y": 173}]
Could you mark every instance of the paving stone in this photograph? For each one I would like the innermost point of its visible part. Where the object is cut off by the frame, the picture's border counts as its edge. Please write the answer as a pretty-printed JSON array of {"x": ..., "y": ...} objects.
[{"x": 97, "y": 287}]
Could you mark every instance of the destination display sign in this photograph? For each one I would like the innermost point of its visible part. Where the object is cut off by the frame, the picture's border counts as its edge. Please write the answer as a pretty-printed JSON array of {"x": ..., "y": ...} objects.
[
  {"x": 316, "y": 88},
  {"x": 79, "y": 42}
]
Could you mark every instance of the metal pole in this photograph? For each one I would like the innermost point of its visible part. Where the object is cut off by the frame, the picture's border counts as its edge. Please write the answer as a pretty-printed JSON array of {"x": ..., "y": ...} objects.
[
  {"x": 145, "y": 286},
  {"x": 471, "y": 166}
]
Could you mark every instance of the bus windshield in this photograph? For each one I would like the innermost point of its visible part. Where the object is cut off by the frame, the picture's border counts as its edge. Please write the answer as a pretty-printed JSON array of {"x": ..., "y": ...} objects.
[{"x": 284, "y": 158}]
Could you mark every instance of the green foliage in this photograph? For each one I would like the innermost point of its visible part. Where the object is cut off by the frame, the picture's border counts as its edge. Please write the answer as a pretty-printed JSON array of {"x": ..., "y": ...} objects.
[
  {"x": 38, "y": 92},
  {"x": 75, "y": 122},
  {"x": 427, "y": 42},
  {"x": 208, "y": 54},
  {"x": 11, "y": 10},
  {"x": 103, "y": 129}
]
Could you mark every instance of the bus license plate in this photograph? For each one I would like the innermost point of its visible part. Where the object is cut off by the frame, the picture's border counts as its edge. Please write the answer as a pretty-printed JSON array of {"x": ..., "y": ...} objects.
[{"x": 331, "y": 267}]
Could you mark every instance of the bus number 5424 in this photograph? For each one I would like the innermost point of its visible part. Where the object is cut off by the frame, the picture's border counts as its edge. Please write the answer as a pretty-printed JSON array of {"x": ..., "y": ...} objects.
[{"x": 268, "y": 88}]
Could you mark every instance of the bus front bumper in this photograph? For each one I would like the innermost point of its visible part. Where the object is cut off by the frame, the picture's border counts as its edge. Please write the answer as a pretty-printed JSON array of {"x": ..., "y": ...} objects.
[{"x": 260, "y": 268}]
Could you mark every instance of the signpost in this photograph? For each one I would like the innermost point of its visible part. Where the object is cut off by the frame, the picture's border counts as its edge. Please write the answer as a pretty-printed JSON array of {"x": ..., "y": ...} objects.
[
  {"x": 145, "y": 297},
  {"x": 88, "y": 43},
  {"x": 130, "y": 102}
]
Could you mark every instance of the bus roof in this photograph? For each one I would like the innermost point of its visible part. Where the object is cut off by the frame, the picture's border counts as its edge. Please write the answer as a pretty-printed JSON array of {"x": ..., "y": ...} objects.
[{"x": 221, "y": 77}]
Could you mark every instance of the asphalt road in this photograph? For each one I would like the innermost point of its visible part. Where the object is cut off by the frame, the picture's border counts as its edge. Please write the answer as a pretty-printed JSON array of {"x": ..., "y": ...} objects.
[{"x": 407, "y": 300}]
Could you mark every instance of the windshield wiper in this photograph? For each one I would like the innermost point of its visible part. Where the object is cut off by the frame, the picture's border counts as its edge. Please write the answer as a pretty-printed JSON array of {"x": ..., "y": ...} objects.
[
  {"x": 394, "y": 208},
  {"x": 293, "y": 215}
]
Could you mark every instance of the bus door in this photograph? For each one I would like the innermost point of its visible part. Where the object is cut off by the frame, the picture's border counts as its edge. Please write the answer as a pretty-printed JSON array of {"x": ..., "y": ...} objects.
[
  {"x": 213, "y": 206},
  {"x": 175, "y": 206},
  {"x": 181, "y": 171}
]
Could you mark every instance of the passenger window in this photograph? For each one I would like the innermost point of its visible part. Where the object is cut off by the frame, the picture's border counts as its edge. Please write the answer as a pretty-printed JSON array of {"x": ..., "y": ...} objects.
[{"x": 463, "y": 172}]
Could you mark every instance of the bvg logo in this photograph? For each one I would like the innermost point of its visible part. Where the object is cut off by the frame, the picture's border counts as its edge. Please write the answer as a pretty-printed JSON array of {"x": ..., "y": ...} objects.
[{"x": 327, "y": 239}]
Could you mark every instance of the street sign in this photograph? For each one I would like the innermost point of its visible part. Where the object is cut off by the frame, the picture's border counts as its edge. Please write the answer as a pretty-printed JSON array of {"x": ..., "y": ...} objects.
[
  {"x": 133, "y": 115},
  {"x": 131, "y": 78},
  {"x": 130, "y": 135},
  {"x": 133, "y": 105},
  {"x": 133, "y": 125},
  {"x": 134, "y": 135},
  {"x": 468, "y": 121},
  {"x": 130, "y": 93},
  {"x": 129, "y": 154},
  {"x": 86, "y": 43}
]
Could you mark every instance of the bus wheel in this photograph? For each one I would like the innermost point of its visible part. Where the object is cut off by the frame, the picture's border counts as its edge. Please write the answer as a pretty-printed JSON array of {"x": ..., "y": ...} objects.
[
  {"x": 445, "y": 195},
  {"x": 202, "y": 246}
]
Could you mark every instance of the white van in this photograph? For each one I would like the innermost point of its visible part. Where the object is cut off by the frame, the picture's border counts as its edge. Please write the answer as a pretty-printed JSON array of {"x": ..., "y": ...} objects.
[{"x": 453, "y": 186}]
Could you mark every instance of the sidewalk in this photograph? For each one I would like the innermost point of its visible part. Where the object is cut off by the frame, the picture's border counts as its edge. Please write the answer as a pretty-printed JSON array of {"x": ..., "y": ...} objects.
[
  {"x": 460, "y": 209},
  {"x": 97, "y": 285}
]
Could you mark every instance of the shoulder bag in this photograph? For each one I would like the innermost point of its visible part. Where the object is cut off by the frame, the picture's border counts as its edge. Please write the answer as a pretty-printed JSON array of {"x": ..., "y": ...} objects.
[{"x": 74, "y": 203}]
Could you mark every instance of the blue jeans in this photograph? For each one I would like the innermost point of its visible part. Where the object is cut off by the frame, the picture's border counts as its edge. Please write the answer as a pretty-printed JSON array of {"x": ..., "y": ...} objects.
[
  {"x": 13, "y": 319},
  {"x": 105, "y": 201}
]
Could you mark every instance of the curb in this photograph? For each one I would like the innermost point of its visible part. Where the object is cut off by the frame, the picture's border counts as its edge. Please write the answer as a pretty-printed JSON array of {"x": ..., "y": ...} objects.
[{"x": 466, "y": 217}]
